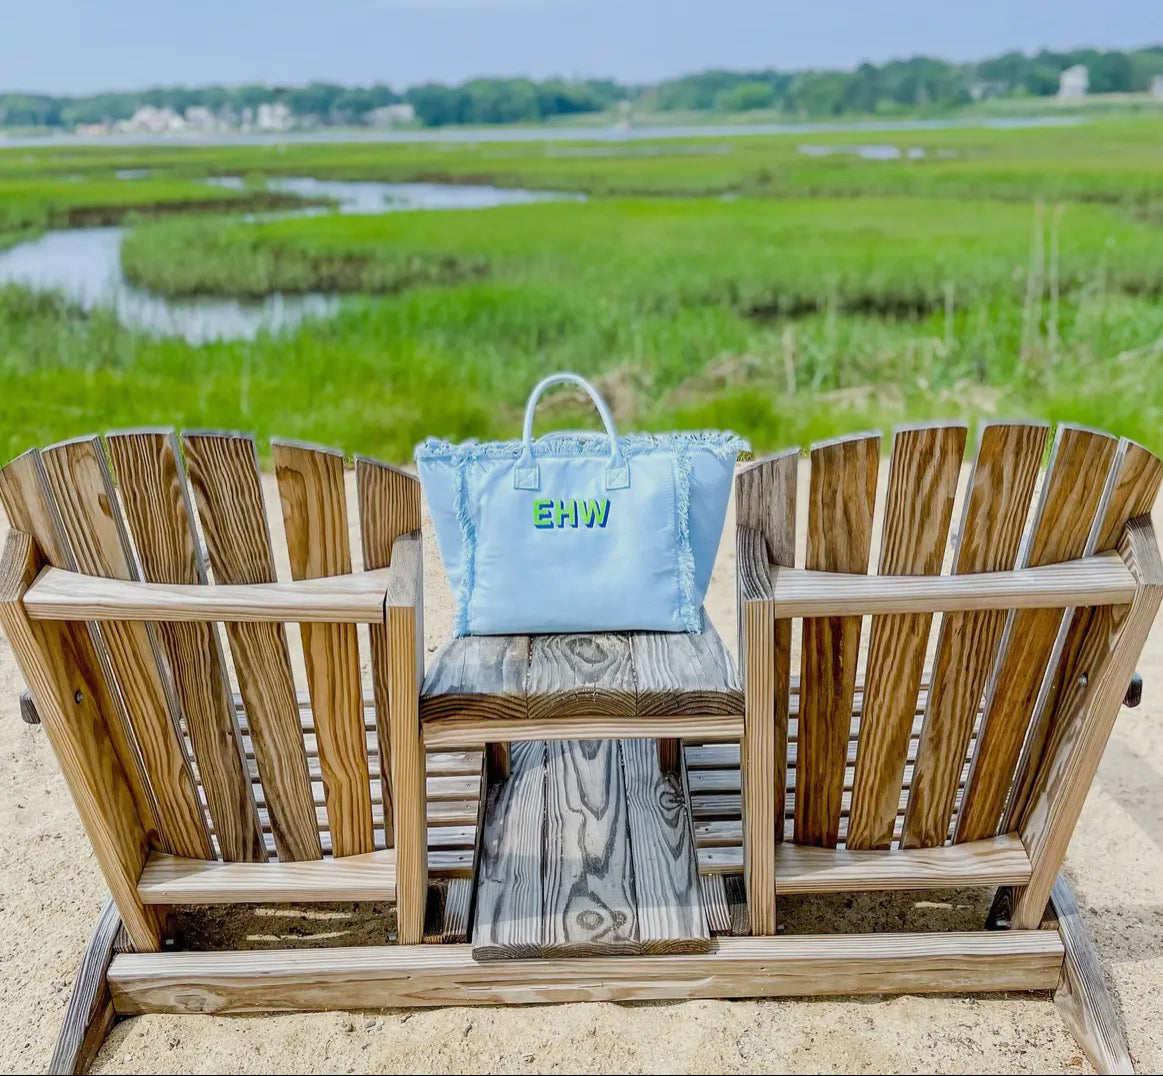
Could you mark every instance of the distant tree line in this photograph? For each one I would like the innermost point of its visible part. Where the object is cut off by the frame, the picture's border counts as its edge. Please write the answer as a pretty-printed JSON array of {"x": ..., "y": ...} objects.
[{"x": 896, "y": 86}]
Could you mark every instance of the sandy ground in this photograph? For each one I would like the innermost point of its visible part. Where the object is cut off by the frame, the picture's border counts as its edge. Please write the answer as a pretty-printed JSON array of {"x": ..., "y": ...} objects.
[{"x": 51, "y": 891}]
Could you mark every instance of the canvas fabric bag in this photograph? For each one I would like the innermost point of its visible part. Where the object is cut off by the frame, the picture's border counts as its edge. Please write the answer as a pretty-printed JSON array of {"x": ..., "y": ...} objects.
[{"x": 579, "y": 532}]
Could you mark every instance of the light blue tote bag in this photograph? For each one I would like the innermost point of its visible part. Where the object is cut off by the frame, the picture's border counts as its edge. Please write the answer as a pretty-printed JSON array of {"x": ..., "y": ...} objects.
[{"x": 579, "y": 531}]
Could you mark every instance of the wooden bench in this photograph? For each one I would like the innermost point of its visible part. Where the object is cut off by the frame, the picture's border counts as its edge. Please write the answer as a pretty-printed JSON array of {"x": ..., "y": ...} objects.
[{"x": 957, "y": 751}]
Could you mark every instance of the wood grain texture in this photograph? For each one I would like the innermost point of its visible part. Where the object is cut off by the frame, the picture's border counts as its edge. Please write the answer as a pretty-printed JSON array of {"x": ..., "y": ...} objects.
[
  {"x": 571, "y": 675},
  {"x": 174, "y": 880},
  {"x": 926, "y": 463},
  {"x": 841, "y": 500},
  {"x": 228, "y": 491},
  {"x": 507, "y": 922},
  {"x": 997, "y": 861},
  {"x": 89, "y": 1013},
  {"x": 82, "y": 487},
  {"x": 405, "y": 672},
  {"x": 61, "y": 670},
  {"x": 1071, "y": 758},
  {"x": 376, "y": 977},
  {"x": 765, "y": 514},
  {"x": 450, "y": 733},
  {"x": 765, "y": 502},
  {"x": 1094, "y": 580},
  {"x": 1009, "y": 456},
  {"x": 662, "y": 849},
  {"x": 1082, "y": 997},
  {"x": 678, "y": 673},
  {"x": 315, "y": 519},
  {"x": 457, "y": 904},
  {"x": 152, "y": 483},
  {"x": 389, "y": 506},
  {"x": 343, "y": 600},
  {"x": 1065, "y": 518},
  {"x": 480, "y": 676},
  {"x": 1136, "y": 478},
  {"x": 31, "y": 508},
  {"x": 588, "y": 874}
]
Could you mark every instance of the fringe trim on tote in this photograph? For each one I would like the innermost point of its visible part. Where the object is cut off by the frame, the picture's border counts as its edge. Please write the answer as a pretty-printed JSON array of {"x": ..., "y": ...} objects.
[
  {"x": 468, "y": 554},
  {"x": 688, "y": 612},
  {"x": 720, "y": 443}
]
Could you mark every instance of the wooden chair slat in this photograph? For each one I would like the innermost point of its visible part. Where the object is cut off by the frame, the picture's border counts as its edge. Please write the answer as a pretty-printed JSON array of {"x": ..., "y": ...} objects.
[
  {"x": 926, "y": 463},
  {"x": 997, "y": 503},
  {"x": 152, "y": 484},
  {"x": 1066, "y": 518},
  {"x": 389, "y": 506},
  {"x": 765, "y": 514},
  {"x": 1137, "y": 476},
  {"x": 315, "y": 516},
  {"x": 841, "y": 503},
  {"x": 91, "y": 518},
  {"x": 228, "y": 490},
  {"x": 31, "y": 508}
]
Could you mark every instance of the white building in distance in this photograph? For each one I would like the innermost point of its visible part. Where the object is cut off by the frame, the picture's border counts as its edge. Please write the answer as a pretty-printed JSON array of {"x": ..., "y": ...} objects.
[
  {"x": 1157, "y": 87},
  {"x": 391, "y": 115},
  {"x": 1073, "y": 82}
]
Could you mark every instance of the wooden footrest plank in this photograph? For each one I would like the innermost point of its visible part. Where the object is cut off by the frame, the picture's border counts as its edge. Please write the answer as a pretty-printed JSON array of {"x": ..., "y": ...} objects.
[{"x": 375, "y": 977}]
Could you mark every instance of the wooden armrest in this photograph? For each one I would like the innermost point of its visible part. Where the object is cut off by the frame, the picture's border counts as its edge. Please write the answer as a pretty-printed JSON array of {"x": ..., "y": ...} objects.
[
  {"x": 406, "y": 578},
  {"x": 1098, "y": 580},
  {"x": 752, "y": 570},
  {"x": 340, "y": 599}
]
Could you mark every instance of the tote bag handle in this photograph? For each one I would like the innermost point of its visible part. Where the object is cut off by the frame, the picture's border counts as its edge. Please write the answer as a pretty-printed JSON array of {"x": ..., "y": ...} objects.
[{"x": 527, "y": 474}]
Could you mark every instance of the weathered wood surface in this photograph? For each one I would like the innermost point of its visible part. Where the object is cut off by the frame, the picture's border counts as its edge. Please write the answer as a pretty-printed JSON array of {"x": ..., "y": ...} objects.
[
  {"x": 89, "y": 1014},
  {"x": 922, "y": 483},
  {"x": 343, "y": 601},
  {"x": 666, "y": 884},
  {"x": 153, "y": 488},
  {"x": 91, "y": 520},
  {"x": 588, "y": 874},
  {"x": 1095, "y": 580},
  {"x": 1071, "y": 757},
  {"x": 1065, "y": 518},
  {"x": 405, "y": 653},
  {"x": 765, "y": 514},
  {"x": 389, "y": 507},
  {"x": 31, "y": 508},
  {"x": 515, "y": 677},
  {"x": 509, "y": 893},
  {"x": 228, "y": 490},
  {"x": 1136, "y": 482},
  {"x": 376, "y": 977},
  {"x": 61, "y": 669},
  {"x": 174, "y": 880},
  {"x": 1082, "y": 995},
  {"x": 1005, "y": 472},
  {"x": 315, "y": 518},
  {"x": 842, "y": 496}
]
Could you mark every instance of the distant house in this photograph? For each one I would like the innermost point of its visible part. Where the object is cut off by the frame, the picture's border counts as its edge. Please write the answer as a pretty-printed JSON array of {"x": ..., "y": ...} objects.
[
  {"x": 200, "y": 118},
  {"x": 273, "y": 116},
  {"x": 391, "y": 115},
  {"x": 1074, "y": 82},
  {"x": 1157, "y": 87},
  {"x": 153, "y": 121}
]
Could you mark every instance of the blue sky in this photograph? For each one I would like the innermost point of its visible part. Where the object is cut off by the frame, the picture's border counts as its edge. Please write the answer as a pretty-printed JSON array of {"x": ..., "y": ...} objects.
[{"x": 74, "y": 46}]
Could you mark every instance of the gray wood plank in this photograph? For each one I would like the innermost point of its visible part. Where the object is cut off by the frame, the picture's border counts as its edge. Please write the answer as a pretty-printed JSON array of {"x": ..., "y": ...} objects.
[
  {"x": 478, "y": 676},
  {"x": 588, "y": 885},
  {"x": 677, "y": 673},
  {"x": 508, "y": 895},
  {"x": 662, "y": 848},
  {"x": 714, "y": 893},
  {"x": 572, "y": 675}
]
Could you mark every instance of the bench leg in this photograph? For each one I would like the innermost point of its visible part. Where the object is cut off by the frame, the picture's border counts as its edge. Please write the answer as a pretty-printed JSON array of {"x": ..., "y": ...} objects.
[
  {"x": 89, "y": 1014},
  {"x": 669, "y": 755},
  {"x": 497, "y": 761}
]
